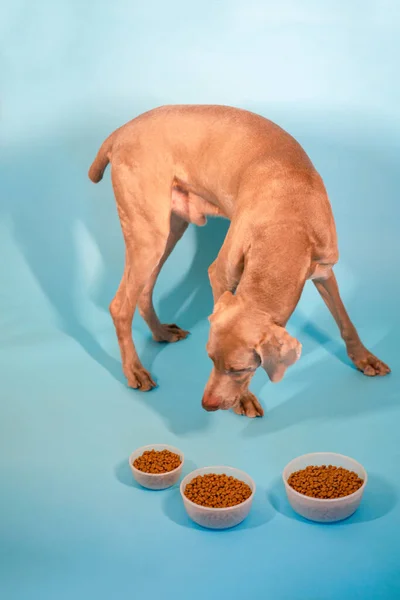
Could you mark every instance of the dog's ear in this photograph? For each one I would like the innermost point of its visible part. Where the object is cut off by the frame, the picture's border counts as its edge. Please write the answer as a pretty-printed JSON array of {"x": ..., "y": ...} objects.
[
  {"x": 224, "y": 301},
  {"x": 278, "y": 350}
]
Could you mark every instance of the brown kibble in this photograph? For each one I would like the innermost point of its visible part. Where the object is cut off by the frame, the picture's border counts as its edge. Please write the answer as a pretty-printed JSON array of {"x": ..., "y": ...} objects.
[
  {"x": 325, "y": 482},
  {"x": 157, "y": 461},
  {"x": 217, "y": 491}
]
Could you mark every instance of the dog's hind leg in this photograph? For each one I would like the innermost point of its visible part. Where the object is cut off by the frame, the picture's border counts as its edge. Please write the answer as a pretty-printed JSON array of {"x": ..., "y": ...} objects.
[
  {"x": 362, "y": 358},
  {"x": 162, "y": 332},
  {"x": 144, "y": 212}
]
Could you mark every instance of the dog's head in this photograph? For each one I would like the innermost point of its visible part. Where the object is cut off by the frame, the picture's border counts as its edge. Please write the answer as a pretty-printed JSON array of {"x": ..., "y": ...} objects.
[{"x": 241, "y": 340}]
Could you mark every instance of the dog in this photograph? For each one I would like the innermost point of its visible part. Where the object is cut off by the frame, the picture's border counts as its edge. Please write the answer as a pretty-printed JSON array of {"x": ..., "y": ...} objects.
[{"x": 176, "y": 165}]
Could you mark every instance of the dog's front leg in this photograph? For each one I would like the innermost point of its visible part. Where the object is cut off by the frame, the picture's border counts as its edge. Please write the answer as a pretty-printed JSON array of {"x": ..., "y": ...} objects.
[
  {"x": 227, "y": 269},
  {"x": 218, "y": 287},
  {"x": 249, "y": 406},
  {"x": 224, "y": 275},
  {"x": 362, "y": 358}
]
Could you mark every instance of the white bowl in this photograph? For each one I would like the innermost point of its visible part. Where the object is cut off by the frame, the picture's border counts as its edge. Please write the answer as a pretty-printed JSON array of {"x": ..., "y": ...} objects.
[
  {"x": 318, "y": 509},
  {"x": 156, "y": 481},
  {"x": 218, "y": 518}
]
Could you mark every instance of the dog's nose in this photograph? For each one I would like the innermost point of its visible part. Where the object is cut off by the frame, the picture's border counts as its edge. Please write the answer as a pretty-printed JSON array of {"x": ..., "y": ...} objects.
[{"x": 210, "y": 402}]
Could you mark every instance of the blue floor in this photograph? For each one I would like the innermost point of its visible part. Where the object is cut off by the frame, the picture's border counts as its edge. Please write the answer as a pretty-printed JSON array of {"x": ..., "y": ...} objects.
[{"x": 73, "y": 525}]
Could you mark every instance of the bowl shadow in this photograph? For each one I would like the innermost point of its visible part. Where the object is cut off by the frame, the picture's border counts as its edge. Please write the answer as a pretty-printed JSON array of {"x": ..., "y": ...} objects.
[{"x": 379, "y": 500}]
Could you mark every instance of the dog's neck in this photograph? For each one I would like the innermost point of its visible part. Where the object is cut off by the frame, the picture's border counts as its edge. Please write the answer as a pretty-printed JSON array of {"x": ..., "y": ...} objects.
[
  {"x": 260, "y": 298},
  {"x": 272, "y": 281}
]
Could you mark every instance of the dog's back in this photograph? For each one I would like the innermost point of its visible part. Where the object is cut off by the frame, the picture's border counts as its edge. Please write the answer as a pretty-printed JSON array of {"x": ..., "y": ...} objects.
[
  {"x": 228, "y": 133},
  {"x": 215, "y": 152}
]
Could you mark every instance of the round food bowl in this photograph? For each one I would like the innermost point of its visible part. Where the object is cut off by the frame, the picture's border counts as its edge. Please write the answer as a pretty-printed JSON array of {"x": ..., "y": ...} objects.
[
  {"x": 319, "y": 509},
  {"x": 156, "y": 481},
  {"x": 218, "y": 518}
]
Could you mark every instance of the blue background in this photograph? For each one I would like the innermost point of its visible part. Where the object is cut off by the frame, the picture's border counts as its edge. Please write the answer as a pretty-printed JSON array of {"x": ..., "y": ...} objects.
[{"x": 72, "y": 522}]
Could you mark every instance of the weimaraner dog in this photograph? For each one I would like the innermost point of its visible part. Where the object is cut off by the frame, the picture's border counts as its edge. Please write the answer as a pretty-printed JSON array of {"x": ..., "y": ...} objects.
[{"x": 178, "y": 164}]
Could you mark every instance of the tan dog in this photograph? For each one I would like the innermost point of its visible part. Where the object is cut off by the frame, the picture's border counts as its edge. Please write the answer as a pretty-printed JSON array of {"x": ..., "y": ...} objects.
[{"x": 178, "y": 164}]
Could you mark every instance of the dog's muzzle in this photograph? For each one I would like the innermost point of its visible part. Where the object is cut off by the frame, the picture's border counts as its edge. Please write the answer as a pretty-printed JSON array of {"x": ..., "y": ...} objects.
[{"x": 210, "y": 402}]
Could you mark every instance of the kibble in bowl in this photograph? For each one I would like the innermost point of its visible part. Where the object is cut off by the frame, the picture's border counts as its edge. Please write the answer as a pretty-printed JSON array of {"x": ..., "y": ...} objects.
[
  {"x": 217, "y": 497},
  {"x": 156, "y": 467},
  {"x": 324, "y": 486}
]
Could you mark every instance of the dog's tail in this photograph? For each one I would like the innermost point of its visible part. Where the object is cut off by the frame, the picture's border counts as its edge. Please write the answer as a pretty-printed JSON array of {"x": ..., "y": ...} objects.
[{"x": 102, "y": 159}]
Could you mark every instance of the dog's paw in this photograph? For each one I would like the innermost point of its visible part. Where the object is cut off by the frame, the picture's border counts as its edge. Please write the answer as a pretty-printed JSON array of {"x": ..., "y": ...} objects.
[
  {"x": 249, "y": 406},
  {"x": 140, "y": 379},
  {"x": 170, "y": 333},
  {"x": 369, "y": 364}
]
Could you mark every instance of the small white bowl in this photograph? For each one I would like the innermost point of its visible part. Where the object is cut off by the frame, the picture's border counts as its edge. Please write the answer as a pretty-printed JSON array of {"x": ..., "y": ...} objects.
[
  {"x": 318, "y": 509},
  {"x": 218, "y": 518},
  {"x": 156, "y": 481}
]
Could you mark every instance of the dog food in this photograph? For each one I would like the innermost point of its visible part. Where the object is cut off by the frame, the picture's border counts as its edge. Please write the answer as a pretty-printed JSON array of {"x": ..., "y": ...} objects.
[
  {"x": 217, "y": 491},
  {"x": 325, "y": 482},
  {"x": 157, "y": 461}
]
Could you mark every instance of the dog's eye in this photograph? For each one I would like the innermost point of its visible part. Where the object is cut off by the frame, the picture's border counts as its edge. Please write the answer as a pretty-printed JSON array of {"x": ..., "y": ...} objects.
[{"x": 239, "y": 371}]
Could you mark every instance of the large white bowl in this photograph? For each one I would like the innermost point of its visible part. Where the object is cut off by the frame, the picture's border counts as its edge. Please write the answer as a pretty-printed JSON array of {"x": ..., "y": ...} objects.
[
  {"x": 156, "y": 481},
  {"x": 318, "y": 509},
  {"x": 218, "y": 518}
]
